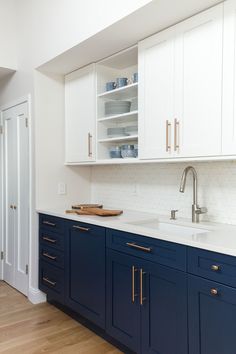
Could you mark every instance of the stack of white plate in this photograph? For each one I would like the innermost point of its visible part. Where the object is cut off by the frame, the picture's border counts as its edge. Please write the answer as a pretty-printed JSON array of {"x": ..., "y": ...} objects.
[
  {"x": 117, "y": 107},
  {"x": 115, "y": 132}
]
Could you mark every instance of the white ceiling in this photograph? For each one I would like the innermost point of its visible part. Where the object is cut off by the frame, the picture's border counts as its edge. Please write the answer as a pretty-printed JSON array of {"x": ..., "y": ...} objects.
[{"x": 151, "y": 18}]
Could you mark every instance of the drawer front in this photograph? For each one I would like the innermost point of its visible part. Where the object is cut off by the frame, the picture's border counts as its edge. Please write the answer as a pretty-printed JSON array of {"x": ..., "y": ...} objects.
[
  {"x": 51, "y": 281},
  {"x": 52, "y": 223},
  {"x": 52, "y": 256},
  {"x": 51, "y": 239},
  {"x": 158, "y": 251},
  {"x": 87, "y": 228},
  {"x": 213, "y": 266}
]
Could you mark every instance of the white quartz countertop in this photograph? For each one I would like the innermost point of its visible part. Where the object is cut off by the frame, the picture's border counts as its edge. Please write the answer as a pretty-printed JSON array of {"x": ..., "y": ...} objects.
[{"x": 205, "y": 235}]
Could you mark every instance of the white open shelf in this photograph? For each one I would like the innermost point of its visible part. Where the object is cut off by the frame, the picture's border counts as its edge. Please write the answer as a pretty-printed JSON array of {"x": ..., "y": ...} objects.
[
  {"x": 119, "y": 139},
  {"x": 125, "y": 92},
  {"x": 125, "y": 117}
]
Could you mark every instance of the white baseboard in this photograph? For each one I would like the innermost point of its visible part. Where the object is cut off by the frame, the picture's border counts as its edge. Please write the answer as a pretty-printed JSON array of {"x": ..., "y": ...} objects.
[{"x": 36, "y": 296}]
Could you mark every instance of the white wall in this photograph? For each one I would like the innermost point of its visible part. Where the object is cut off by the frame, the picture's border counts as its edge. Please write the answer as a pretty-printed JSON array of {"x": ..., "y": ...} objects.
[
  {"x": 8, "y": 43},
  {"x": 155, "y": 188}
]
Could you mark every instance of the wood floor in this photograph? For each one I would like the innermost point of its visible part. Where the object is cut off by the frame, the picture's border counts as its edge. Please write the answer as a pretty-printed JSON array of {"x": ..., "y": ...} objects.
[{"x": 31, "y": 329}]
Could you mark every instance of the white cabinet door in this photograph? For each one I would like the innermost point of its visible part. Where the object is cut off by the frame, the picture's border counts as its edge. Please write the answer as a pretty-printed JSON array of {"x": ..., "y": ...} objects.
[
  {"x": 156, "y": 95},
  {"x": 198, "y": 93},
  {"x": 180, "y": 89},
  {"x": 229, "y": 80},
  {"x": 80, "y": 115},
  {"x": 16, "y": 197}
]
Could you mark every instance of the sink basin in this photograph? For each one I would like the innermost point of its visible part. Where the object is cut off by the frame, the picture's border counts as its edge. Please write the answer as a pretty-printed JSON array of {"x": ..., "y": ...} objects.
[{"x": 168, "y": 228}]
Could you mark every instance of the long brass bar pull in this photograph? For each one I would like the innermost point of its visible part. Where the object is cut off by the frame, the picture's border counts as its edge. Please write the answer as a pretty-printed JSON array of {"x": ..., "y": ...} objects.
[
  {"x": 80, "y": 228},
  {"x": 141, "y": 248},
  {"x": 89, "y": 145},
  {"x": 53, "y": 283},
  {"x": 176, "y": 138},
  {"x": 142, "y": 299},
  {"x": 133, "y": 284},
  {"x": 47, "y": 255},
  {"x": 168, "y": 126},
  {"x": 49, "y": 223}
]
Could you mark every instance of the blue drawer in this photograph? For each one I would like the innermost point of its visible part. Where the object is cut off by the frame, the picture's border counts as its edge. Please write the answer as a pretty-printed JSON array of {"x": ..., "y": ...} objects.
[
  {"x": 154, "y": 250},
  {"x": 51, "y": 281},
  {"x": 213, "y": 266},
  {"x": 48, "y": 222},
  {"x": 52, "y": 256},
  {"x": 52, "y": 239}
]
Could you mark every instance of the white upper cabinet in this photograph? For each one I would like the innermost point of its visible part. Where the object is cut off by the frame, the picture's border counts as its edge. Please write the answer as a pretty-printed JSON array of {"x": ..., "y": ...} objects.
[
  {"x": 156, "y": 95},
  {"x": 181, "y": 88},
  {"x": 199, "y": 83},
  {"x": 229, "y": 80},
  {"x": 80, "y": 115}
]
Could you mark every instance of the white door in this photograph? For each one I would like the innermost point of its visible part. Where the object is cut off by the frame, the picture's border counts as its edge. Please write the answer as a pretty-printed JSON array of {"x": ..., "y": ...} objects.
[
  {"x": 198, "y": 91},
  {"x": 156, "y": 95},
  {"x": 229, "y": 80},
  {"x": 16, "y": 199},
  {"x": 80, "y": 115}
]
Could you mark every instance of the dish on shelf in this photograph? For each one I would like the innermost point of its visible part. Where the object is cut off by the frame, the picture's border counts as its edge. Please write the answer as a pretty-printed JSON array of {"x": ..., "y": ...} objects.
[
  {"x": 117, "y": 107},
  {"x": 115, "y": 132},
  {"x": 128, "y": 151},
  {"x": 134, "y": 104},
  {"x": 131, "y": 130},
  {"x": 115, "y": 152}
]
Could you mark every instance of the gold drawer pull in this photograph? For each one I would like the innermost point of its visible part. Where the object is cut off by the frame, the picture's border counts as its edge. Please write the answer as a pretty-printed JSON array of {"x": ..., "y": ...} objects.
[
  {"x": 81, "y": 228},
  {"x": 133, "y": 283},
  {"x": 176, "y": 137},
  {"x": 141, "y": 248},
  {"x": 45, "y": 254},
  {"x": 49, "y": 223},
  {"x": 52, "y": 240},
  {"x": 214, "y": 292},
  {"x": 215, "y": 268},
  {"x": 168, "y": 127},
  {"x": 53, "y": 283}
]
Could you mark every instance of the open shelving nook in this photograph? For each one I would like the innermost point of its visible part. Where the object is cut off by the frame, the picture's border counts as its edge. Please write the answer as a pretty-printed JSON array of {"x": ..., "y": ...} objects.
[{"x": 120, "y": 65}]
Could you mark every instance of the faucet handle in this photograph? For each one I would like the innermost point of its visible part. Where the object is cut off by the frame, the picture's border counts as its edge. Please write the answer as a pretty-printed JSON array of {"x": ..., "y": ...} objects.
[
  {"x": 201, "y": 210},
  {"x": 173, "y": 214}
]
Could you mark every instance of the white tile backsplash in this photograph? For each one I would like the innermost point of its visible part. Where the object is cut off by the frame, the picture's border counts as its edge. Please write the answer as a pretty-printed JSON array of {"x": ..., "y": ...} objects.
[{"x": 155, "y": 188}]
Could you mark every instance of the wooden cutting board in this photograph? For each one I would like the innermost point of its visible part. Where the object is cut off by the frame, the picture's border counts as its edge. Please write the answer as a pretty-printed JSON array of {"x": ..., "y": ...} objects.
[{"x": 95, "y": 211}]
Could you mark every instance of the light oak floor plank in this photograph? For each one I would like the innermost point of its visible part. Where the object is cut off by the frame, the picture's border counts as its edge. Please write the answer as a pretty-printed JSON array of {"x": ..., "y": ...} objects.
[{"x": 33, "y": 329}]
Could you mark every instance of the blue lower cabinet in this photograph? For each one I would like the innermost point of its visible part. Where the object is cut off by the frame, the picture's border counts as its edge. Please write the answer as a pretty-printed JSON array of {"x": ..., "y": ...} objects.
[
  {"x": 146, "y": 305},
  {"x": 123, "y": 310},
  {"x": 212, "y": 317},
  {"x": 85, "y": 271},
  {"x": 164, "y": 310}
]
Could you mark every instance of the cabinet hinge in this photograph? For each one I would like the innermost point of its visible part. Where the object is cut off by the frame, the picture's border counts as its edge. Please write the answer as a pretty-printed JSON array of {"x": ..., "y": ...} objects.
[
  {"x": 26, "y": 122},
  {"x": 26, "y": 269},
  {"x": 1, "y": 129},
  {"x": 2, "y": 255}
]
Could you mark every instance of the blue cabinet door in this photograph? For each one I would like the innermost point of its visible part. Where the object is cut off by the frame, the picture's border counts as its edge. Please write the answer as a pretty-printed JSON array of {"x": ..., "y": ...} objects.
[
  {"x": 123, "y": 309},
  {"x": 85, "y": 271},
  {"x": 212, "y": 317},
  {"x": 164, "y": 310}
]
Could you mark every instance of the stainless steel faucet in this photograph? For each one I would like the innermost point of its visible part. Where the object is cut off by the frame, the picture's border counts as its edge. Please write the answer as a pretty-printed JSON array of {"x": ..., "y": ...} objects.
[{"x": 196, "y": 210}]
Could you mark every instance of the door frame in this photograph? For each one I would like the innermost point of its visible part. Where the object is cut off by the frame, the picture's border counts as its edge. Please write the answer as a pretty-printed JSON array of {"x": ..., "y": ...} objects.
[{"x": 25, "y": 99}]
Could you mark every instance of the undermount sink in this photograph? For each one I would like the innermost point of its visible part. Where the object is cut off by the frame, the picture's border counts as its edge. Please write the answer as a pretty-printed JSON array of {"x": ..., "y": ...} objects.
[{"x": 168, "y": 228}]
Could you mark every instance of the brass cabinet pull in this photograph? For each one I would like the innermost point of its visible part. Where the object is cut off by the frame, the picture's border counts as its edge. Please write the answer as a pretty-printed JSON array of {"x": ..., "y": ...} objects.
[
  {"x": 141, "y": 273},
  {"x": 168, "y": 126},
  {"x": 45, "y": 254},
  {"x": 214, "y": 292},
  {"x": 49, "y": 223},
  {"x": 133, "y": 284},
  {"x": 53, "y": 283},
  {"x": 81, "y": 228},
  {"x": 176, "y": 137},
  {"x": 141, "y": 248},
  {"x": 89, "y": 145},
  {"x": 49, "y": 239},
  {"x": 215, "y": 268}
]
